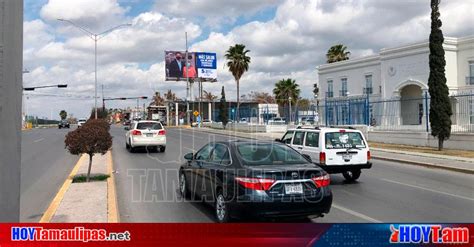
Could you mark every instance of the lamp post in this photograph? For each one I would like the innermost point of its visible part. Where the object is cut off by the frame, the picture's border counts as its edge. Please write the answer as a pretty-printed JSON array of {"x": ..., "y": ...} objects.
[
  {"x": 289, "y": 101},
  {"x": 95, "y": 37}
]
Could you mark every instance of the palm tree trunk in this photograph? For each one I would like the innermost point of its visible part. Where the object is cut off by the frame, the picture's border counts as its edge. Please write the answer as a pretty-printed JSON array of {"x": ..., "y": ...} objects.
[{"x": 238, "y": 102}]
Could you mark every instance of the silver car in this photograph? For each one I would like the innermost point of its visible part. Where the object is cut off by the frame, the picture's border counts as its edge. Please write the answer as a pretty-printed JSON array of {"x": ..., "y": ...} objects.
[{"x": 145, "y": 133}]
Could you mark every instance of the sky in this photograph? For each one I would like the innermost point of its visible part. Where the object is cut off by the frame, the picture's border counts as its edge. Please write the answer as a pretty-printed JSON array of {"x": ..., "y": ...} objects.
[{"x": 286, "y": 39}]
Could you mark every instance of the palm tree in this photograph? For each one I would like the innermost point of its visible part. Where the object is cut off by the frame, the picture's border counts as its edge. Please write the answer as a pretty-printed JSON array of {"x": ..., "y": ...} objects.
[
  {"x": 208, "y": 96},
  {"x": 238, "y": 63},
  {"x": 286, "y": 89},
  {"x": 337, "y": 53}
]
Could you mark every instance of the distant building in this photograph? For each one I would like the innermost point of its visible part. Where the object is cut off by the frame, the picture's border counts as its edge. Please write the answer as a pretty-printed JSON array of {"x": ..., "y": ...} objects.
[{"x": 399, "y": 77}]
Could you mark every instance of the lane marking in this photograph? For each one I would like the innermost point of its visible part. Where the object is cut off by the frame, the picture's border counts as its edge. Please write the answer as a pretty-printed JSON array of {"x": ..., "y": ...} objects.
[
  {"x": 49, "y": 213},
  {"x": 362, "y": 216},
  {"x": 112, "y": 208},
  {"x": 423, "y": 188},
  {"x": 41, "y": 139}
]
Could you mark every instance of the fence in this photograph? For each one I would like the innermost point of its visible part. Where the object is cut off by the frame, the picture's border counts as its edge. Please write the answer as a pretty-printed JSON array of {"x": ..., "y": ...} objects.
[{"x": 397, "y": 114}]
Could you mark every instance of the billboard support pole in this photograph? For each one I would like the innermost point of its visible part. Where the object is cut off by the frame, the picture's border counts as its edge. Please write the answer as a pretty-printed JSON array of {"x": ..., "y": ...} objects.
[{"x": 187, "y": 81}]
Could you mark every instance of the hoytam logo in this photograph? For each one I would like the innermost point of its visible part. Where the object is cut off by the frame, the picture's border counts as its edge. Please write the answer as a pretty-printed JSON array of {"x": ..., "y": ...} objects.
[
  {"x": 74, "y": 234},
  {"x": 429, "y": 234}
]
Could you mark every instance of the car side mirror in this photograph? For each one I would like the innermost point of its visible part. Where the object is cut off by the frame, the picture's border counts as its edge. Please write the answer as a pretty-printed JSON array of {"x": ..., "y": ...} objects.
[
  {"x": 126, "y": 128},
  {"x": 307, "y": 157},
  {"x": 189, "y": 156}
]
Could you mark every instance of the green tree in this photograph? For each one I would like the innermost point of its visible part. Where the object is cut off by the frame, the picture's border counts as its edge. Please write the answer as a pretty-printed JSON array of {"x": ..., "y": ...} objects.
[
  {"x": 223, "y": 109},
  {"x": 337, "y": 53},
  {"x": 440, "y": 105},
  {"x": 284, "y": 90},
  {"x": 238, "y": 63},
  {"x": 303, "y": 104},
  {"x": 90, "y": 139},
  {"x": 63, "y": 114}
]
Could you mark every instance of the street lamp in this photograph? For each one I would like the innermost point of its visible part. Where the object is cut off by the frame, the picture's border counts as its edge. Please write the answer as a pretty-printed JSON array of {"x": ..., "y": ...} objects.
[
  {"x": 95, "y": 37},
  {"x": 289, "y": 100},
  {"x": 33, "y": 88}
]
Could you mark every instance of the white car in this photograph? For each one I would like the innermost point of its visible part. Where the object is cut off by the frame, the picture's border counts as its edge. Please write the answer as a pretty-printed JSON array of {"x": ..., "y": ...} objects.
[
  {"x": 81, "y": 122},
  {"x": 336, "y": 150},
  {"x": 145, "y": 133}
]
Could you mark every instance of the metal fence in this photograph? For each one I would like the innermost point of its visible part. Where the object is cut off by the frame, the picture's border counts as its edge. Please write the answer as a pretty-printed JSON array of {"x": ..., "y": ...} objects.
[{"x": 397, "y": 114}]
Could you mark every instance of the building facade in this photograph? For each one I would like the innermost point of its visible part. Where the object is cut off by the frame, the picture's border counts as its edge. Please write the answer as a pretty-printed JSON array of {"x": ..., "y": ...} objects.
[{"x": 391, "y": 87}]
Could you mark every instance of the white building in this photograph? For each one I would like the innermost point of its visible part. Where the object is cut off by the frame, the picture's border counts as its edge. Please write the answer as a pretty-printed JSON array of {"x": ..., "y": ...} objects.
[{"x": 396, "y": 81}]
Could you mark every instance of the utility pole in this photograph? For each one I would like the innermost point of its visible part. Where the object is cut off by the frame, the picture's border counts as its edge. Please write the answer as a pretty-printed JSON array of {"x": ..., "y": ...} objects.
[
  {"x": 187, "y": 80},
  {"x": 11, "y": 66}
]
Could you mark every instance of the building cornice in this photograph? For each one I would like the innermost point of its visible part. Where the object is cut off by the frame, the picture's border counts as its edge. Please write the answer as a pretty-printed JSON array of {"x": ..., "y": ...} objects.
[{"x": 349, "y": 64}]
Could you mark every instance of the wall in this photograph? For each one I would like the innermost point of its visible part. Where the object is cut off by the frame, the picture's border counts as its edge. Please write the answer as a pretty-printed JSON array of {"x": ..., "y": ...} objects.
[
  {"x": 456, "y": 141},
  {"x": 11, "y": 58},
  {"x": 465, "y": 54}
]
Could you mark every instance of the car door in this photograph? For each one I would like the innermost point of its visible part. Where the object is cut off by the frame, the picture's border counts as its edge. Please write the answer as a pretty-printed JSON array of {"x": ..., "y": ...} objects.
[
  {"x": 199, "y": 169},
  {"x": 298, "y": 139},
  {"x": 311, "y": 146},
  {"x": 287, "y": 137},
  {"x": 214, "y": 170}
]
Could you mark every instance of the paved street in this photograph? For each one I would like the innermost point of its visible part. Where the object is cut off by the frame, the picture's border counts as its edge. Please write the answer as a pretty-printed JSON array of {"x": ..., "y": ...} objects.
[
  {"x": 45, "y": 164},
  {"x": 389, "y": 192}
]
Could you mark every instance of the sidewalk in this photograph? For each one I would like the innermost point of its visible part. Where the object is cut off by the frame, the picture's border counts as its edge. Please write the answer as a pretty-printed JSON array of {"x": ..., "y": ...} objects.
[
  {"x": 458, "y": 164},
  {"x": 86, "y": 202}
]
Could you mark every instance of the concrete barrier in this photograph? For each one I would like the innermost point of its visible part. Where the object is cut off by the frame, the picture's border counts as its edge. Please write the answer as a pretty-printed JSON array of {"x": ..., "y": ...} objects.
[{"x": 456, "y": 141}]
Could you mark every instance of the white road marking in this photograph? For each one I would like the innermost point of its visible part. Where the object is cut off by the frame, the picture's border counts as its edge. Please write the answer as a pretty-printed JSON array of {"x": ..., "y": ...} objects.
[
  {"x": 349, "y": 211},
  {"x": 38, "y": 140},
  {"x": 434, "y": 191}
]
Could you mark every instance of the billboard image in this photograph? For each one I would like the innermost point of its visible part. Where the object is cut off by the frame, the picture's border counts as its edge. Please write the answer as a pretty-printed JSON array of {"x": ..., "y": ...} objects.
[
  {"x": 176, "y": 68},
  {"x": 206, "y": 64}
]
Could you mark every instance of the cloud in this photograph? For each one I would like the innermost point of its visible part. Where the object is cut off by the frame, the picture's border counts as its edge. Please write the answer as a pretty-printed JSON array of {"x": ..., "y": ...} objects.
[{"x": 289, "y": 45}]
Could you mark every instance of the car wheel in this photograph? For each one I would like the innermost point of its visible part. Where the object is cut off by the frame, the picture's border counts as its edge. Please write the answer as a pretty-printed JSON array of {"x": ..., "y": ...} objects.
[
  {"x": 126, "y": 145},
  {"x": 162, "y": 149},
  {"x": 351, "y": 176},
  {"x": 183, "y": 187},
  {"x": 221, "y": 209}
]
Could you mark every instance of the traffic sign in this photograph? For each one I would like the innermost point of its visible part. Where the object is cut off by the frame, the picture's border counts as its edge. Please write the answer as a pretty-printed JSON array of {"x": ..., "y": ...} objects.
[{"x": 196, "y": 113}]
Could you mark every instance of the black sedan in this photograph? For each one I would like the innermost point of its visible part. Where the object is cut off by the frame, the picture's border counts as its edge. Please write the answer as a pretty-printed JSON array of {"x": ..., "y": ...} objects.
[
  {"x": 63, "y": 124},
  {"x": 257, "y": 179}
]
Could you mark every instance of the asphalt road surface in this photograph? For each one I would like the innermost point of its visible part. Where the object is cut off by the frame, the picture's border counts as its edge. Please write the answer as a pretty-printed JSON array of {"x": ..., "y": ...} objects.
[
  {"x": 45, "y": 165},
  {"x": 147, "y": 188}
]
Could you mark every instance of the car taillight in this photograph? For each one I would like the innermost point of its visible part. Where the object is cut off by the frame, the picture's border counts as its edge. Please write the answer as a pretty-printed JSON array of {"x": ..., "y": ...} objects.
[
  {"x": 255, "y": 183},
  {"x": 322, "y": 181},
  {"x": 322, "y": 158},
  {"x": 368, "y": 155},
  {"x": 162, "y": 132},
  {"x": 136, "y": 132}
]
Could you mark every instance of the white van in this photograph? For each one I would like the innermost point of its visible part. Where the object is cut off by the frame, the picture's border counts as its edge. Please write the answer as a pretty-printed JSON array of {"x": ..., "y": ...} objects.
[{"x": 336, "y": 150}]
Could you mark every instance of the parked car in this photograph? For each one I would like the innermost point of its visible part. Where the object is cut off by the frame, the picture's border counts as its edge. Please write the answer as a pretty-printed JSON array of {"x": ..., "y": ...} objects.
[
  {"x": 63, "y": 124},
  {"x": 145, "y": 133},
  {"x": 277, "y": 121},
  {"x": 81, "y": 122},
  {"x": 336, "y": 150},
  {"x": 264, "y": 179},
  {"x": 206, "y": 122},
  {"x": 244, "y": 120}
]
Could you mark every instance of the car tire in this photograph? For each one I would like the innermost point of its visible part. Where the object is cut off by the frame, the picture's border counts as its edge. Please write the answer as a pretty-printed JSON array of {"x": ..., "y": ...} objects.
[
  {"x": 162, "y": 149},
  {"x": 126, "y": 145},
  {"x": 221, "y": 208},
  {"x": 183, "y": 187},
  {"x": 351, "y": 176}
]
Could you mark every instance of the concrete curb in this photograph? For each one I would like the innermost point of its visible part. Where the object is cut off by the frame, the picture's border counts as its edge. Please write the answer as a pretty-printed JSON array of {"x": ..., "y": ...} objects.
[
  {"x": 53, "y": 206},
  {"x": 438, "y": 156},
  {"x": 424, "y": 164},
  {"x": 112, "y": 209}
]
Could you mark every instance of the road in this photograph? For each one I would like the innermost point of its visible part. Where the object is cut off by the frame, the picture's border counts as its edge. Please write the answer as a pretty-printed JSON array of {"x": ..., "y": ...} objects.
[
  {"x": 389, "y": 192},
  {"x": 45, "y": 165}
]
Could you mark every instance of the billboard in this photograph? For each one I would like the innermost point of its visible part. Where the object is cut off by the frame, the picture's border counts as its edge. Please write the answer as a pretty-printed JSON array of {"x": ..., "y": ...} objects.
[
  {"x": 176, "y": 68},
  {"x": 206, "y": 64},
  {"x": 201, "y": 65}
]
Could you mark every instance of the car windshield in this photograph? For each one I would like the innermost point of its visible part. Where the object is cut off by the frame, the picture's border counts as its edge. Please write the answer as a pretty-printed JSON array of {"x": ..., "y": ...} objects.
[
  {"x": 82, "y": 120},
  {"x": 260, "y": 154},
  {"x": 149, "y": 125},
  {"x": 341, "y": 140}
]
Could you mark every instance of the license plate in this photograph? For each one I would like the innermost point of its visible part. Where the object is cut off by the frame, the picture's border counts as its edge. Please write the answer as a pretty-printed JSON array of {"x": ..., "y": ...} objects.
[
  {"x": 149, "y": 135},
  {"x": 293, "y": 189},
  {"x": 346, "y": 156}
]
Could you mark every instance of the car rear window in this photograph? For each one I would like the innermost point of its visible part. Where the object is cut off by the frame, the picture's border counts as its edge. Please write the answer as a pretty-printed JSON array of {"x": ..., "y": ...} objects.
[
  {"x": 339, "y": 140},
  {"x": 260, "y": 154},
  {"x": 149, "y": 125}
]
